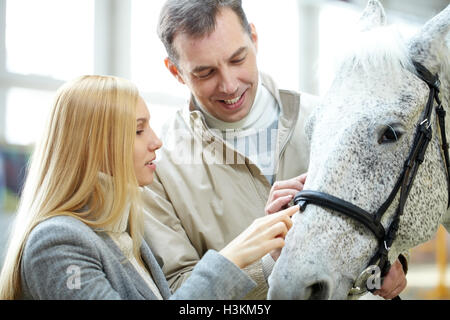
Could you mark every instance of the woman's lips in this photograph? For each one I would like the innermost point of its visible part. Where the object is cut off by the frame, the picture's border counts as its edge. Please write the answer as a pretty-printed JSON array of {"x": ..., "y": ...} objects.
[{"x": 151, "y": 165}]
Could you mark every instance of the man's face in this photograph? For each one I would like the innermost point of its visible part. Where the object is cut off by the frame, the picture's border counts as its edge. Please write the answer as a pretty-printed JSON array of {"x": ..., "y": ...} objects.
[{"x": 220, "y": 69}]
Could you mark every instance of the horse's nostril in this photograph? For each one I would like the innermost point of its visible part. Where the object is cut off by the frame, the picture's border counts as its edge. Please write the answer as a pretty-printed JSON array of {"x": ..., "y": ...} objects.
[{"x": 317, "y": 291}]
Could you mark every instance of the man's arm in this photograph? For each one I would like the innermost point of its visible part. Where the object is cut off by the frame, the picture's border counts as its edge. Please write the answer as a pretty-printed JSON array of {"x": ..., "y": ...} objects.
[
  {"x": 172, "y": 248},
  {"x": 166, "y": 236}
]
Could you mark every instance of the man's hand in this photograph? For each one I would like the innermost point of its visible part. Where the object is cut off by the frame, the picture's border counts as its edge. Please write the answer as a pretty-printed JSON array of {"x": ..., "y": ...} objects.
[
  {"x": 282, "y": 192},
  {"x": 394, "y": 282}
]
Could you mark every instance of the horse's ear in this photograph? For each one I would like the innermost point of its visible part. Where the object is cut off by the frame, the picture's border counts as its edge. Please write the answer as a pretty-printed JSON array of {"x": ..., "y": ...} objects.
[
  {"x": 428, "y": 47},
  {"x": 373, "y": 16}
]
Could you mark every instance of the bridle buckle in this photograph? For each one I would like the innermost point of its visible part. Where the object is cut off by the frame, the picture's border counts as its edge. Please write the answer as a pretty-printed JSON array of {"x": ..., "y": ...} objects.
[
  {"x": 427, "y": 123},
  {"x": 386, "y": 247},
  {"x": 437, "y": 84},
  {"x": 368, "y": 280}
]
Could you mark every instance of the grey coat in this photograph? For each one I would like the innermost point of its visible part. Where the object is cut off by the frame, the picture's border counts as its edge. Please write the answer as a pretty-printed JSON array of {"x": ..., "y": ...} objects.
[{"x": 65, "y": 259}]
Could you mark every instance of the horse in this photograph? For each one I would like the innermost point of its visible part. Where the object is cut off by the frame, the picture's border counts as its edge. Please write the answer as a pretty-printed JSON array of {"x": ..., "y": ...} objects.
[{"x": 362, "y": 179}]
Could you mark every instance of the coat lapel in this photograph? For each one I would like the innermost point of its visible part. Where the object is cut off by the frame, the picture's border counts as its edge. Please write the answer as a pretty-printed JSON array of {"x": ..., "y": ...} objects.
[
  {"x": 155, "y": 270},
  {"x": 137, "y": 280}
]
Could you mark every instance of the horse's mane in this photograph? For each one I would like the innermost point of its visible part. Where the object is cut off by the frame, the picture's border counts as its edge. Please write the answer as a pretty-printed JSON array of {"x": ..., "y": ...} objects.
[
  {"x": 445, "y": 73},
  {"x": 378, "y": 50}
]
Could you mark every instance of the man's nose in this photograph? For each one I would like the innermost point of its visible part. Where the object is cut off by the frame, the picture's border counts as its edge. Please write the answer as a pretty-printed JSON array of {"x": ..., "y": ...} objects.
[{"x": 228, "y": 83}]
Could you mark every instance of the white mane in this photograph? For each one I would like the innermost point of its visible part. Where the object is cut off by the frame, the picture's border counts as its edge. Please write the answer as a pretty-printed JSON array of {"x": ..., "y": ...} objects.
[
  {"x": 378, "y": 50},
  {"x": 445, "y": 73}
]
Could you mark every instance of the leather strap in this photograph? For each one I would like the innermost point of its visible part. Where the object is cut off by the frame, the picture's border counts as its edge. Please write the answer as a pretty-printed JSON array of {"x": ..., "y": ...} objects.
[
  {"x": 444, "y": 145},
  {"x": 328, "y": 201}
]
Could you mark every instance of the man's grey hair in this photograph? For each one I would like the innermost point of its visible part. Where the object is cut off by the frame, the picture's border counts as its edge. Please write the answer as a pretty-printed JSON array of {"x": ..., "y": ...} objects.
[{"x": 195, "y": 18}]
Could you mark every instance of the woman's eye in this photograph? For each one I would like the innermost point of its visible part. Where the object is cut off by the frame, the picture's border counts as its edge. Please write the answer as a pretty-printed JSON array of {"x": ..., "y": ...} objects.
[{"x": 390, "y": 135}]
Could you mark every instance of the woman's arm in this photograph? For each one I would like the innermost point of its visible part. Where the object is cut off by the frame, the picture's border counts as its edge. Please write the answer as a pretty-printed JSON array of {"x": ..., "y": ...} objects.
[
  {"x": 219, "y": 275},
  {"x": 215, "y": 278},
  {"x": 61, "y": 261}
]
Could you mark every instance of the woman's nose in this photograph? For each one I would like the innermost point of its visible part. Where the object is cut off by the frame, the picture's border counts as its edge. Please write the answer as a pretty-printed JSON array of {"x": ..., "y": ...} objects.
[{"x": 155, "y": 143}]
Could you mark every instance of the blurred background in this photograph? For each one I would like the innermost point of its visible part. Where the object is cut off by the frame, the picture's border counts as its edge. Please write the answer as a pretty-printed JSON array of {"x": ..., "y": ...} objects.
[{"x": 47, "y": 42}]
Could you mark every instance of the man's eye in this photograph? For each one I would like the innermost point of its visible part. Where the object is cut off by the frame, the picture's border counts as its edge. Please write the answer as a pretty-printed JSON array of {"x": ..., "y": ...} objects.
[
  {"x": 205, "y": 74},
  {"x": 238, "y": 60}
]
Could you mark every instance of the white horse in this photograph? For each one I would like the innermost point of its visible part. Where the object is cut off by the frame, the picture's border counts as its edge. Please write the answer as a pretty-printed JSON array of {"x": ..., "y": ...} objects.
[{"x": 361, "y": 135}]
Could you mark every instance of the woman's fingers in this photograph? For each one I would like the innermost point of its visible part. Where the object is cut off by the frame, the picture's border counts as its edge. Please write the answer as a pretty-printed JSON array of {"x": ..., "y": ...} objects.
[
  {"x": 263, "y": 236},
  {"x": 289, "y": 212},
  {"x": 275, "y": 244},
  {"x": 278, "y": 223},
  {"x": 280, "y": 229}
]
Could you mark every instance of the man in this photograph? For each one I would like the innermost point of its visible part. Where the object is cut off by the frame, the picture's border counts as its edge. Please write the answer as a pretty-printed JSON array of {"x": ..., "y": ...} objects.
[{"x": 221, "y": 157}]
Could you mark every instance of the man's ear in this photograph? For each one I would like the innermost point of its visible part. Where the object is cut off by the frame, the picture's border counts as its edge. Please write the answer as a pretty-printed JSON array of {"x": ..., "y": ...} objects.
[
  {"x": 173, "y": 69},
  {"x": 254, "y": 35}
]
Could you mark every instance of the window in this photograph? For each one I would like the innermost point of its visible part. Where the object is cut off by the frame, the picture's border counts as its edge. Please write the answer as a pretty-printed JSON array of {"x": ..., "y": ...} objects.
[
  {"x": 56, "y": 41},
  {"x": 26, "y": 114},
  {"x": 162, "y": 92},
  {"x": 277, "y": 25},
  {"x": 46, "y": 43}
]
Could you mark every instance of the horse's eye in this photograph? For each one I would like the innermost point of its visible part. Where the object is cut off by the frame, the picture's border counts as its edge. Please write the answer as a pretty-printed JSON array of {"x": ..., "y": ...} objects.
[{"x": 390, "y": 134}]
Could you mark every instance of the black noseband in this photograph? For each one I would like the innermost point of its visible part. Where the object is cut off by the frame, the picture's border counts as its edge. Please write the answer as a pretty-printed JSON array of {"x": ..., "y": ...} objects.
[{"x": 328, "y": 201}]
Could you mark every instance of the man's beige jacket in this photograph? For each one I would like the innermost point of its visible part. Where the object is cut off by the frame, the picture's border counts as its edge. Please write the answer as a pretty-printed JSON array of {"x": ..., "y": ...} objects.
[{"x": 205, "y": 193}]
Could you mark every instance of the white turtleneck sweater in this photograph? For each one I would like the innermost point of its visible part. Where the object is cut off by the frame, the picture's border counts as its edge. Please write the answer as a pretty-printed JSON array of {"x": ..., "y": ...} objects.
[{"x": 255, "y": 135}]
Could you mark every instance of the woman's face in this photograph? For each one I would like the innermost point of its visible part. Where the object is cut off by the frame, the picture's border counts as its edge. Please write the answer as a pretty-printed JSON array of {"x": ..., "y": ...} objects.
[{"x": 145, "y": 145}]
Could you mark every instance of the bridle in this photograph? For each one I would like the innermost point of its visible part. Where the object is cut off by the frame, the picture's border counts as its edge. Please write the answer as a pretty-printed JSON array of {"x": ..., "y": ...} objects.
[{"x": 403, "y": 185}]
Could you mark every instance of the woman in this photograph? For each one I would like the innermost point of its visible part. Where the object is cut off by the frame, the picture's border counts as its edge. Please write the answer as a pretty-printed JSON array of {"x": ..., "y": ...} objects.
[{"x": 78, "y": 233}]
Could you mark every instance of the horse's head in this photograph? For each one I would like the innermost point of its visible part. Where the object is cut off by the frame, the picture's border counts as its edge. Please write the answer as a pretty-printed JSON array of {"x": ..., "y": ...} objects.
[{"x": 360, "y": 137}]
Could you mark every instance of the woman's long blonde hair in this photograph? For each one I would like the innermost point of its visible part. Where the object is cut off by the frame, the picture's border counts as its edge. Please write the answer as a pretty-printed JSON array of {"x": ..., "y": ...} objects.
[{"x": 91, "y": 130}]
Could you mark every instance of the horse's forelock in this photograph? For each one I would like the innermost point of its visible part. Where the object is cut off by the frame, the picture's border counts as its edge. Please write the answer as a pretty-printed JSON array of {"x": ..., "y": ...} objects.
[
  {"x": 375, "y": 51},
  {"x": 445, "y": 73}
]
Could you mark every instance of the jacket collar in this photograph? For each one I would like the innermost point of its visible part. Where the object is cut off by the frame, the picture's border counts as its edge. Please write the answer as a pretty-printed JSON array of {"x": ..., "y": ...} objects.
[{"x": 289, "y": 103}]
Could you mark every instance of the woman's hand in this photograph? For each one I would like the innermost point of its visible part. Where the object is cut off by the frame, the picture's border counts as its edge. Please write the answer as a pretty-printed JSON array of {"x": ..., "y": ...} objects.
[
  {"x": 282, "y": 192},
  {"x": 264, "y": 235}
]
